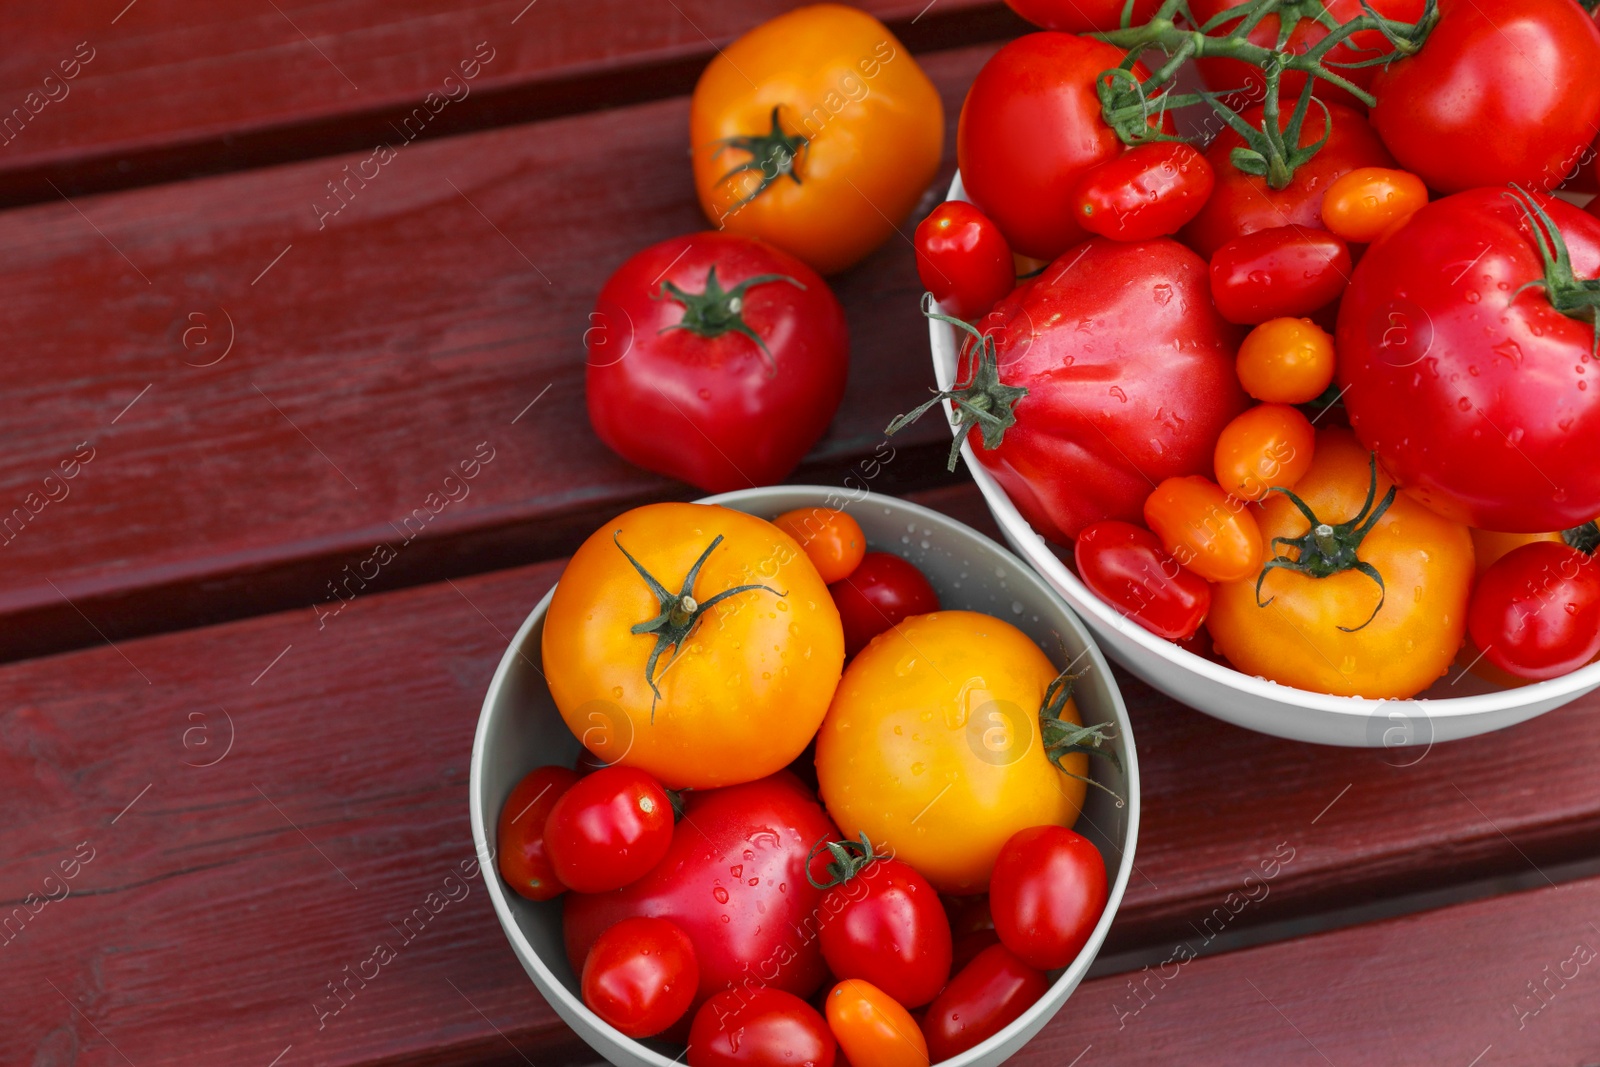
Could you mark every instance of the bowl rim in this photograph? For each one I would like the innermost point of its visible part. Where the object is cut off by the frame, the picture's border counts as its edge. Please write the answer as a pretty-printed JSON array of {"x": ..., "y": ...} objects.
[
  {"x": 1036, "y": 551},
  {"x": 569, "y": 1006}
]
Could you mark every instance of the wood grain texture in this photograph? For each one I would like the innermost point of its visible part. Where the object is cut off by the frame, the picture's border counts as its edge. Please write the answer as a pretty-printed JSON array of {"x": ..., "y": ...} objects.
[
  {"x": 220, "y": 904},
  {"x": 372, "y": 351},
  {"x": 176, "y": 88}
]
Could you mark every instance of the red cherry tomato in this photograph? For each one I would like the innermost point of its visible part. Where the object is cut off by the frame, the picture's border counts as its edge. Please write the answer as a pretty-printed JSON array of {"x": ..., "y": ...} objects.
[
  {"x": 677, "y": 381},
  {"x": 1243, "y": 203},
  {"x": 519, "y": 837},
  {"x": 1150, "y": 190},
  {"x": 1536, "y": 611},
  {"x": 882, "y": 922},
  {"x": 641, "y": 976},
  {"x": 881, "y": 591},
  {"x": 1029, "y": 127},
  {"x": 1081, "y": 16},
  {"x": 1047, "y": 893},
  {"x": 609, "y": 829},
  {"x": 963, "y": 259},
  {"x": 1502, "y": 91},
  {"x": 758, "y": 1026},
  {"x": 1282, "y": 272},
  {"x": 980, "y": 1001},
  {"x": 1125, "y": 566}
]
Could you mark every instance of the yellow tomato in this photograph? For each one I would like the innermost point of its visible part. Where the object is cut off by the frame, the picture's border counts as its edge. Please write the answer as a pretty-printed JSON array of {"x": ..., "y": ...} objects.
[
  {"x": 815, "y": 131},
  {"x": 1286, "y": 361},
  {"x": 1363, "y": 203},
  {"x": 1268, "y": 446},
  {"x": 1330, "y": 634},
  {"x": 1489, "y": 545},
  {"x": 933, "y": 747},
  {"x": 742, "y": 659}
]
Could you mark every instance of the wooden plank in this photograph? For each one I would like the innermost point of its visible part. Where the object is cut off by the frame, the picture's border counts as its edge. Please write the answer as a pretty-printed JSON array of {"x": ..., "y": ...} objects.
[
  {"x": 438, "y": 312},
  {"x": 217, "y": 908},
  {"x": 250, "y": 85}
]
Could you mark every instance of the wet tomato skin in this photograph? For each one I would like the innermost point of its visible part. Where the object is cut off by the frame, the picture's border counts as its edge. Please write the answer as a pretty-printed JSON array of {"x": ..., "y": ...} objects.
[
  {"x": 1048, "y": 892},
  {"x": 888, "y": 929},
  {"x": 883, "y": 590},
  {"x": 982, "y": 999},
  {"x": 1278, "y": 273},
  {"x": 1125, "y": 566},
  {"x": 523, "y": 858},
  {"x": 608, "y": 829},
  {"x": 1150, "y": 190},
  {"x": 760, "y": 1027},
  {"x": 963, "y": 259},
  {"x": 641, "y": 976},
  {"x": 1536, "y": 611}
]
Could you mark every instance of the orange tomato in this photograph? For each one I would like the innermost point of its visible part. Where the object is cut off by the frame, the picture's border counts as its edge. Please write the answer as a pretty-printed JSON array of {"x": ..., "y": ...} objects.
[
  {"x": 1268, "y": 446},
  {"x": 1361, "y": 204},
  {"x": 872, "y": 1029},
  {"x": 1205, "y": 529},
  {"x": 1488, "y": 545},
  {"x": 1286, "y": 361},
  {"x": 815, "y": 131},
  {"x": 832, "y": 539}
]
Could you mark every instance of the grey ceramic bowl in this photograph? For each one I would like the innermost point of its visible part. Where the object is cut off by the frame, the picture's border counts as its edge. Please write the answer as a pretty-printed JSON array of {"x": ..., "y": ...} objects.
[{"x": 520, "y": 729}]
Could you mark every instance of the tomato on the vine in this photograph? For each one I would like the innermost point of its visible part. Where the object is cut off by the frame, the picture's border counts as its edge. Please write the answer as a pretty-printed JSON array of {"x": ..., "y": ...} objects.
[
  {"x": 832, "y": 539},
  {"x": 1286, "y": 361},
  {"x": 881, "y": 591},
  {"x": 715, "y": 359},
  {"x": 1125, "y": 566},
  {"x": 640, "y": 976},
  {"x": 1047, "y": 894},
  {"x": 1279, "y": 272},
  {"x": 519, "y": 837},
  {"x": 1501, "y": 91},
  {"x": 1269, "y": 446},
  {"x": 1361, "y": 205},
  {"x": 608, "y": 829},
  {"x": 872, "y": 1028},
  {"x": 759, "y": 1027},
  {"x": 1536, "y": 612},
  {"x": 983, "y": 998},
  {"x": 963, "y": 259},
  {"x": 1206, "y": 530},
  {"x": 1151, "y": 190}
]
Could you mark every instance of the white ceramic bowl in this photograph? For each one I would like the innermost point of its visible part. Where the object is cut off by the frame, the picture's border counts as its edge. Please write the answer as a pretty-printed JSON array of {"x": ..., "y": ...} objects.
[
  {"x": 520, "y": 729},
  {"x": 1459, "y": 705}
]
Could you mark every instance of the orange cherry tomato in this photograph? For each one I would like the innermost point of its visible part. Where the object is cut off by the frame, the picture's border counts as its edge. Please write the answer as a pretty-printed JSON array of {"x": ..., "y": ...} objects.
[
  {"x": 1267, "y": 446},
  {"x": 832, "y": 540},
  {"x": 872, "y": 1029},
  {"x": 1361, "y": 204},
  {"x": 1286, "y": 361},
  {"x": 1488, "y": 546},
  {"x": 1205, "y": 529}
]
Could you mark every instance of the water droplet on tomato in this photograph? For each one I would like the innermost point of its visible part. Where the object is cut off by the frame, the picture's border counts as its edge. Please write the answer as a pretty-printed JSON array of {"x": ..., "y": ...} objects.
[{"x": 720, "y": 894}]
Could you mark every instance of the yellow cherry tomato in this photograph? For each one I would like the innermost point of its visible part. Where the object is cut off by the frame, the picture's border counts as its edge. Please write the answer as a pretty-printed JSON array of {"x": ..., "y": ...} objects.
[
  {"x": 1266, "y": 447},
  {"x": 933, "y": 746},
  {"x": 872, "y": 1029},
  {"x": 816, "y": 131},
  {"x": 1489, "y": 545},
  {"x": 1204, "y": 529},
  {"x": 832, "y": 539},
  {"x": 1342, "y": 634},
  {"x": 741, "y": 656},
  {"x": 1361, "y": 204},
  {"x": 1286, "y": 361}
]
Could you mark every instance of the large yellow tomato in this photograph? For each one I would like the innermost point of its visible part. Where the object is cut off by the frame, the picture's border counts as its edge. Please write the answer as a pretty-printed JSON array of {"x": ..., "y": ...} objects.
[
  {"x": 1329, "y": 634},
  {"x": 816, "y": 131},
  {"x": 933, "y": 748},
  {"x": 695, "y": 642}
]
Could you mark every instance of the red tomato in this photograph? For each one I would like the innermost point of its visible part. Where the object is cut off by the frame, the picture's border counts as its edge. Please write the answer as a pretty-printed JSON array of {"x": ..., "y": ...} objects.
[
  {"x": 1047, "y": 893},
  {"x": 1241, "y": 80},
  {"x": 715, "y": 359},
  {"x": 1536, "y": 611},
  {"x": 1119, "y": 373},
  {"x": 1243, "y": 203},
  {"x": 982, "y": 999},
  {"x": 1474, "y": 391},
  {"x": 1150, "y": 190},
  {"x": 609, "y": 829},
  {"x": 1081, "y": 16},
  {"x": 1501, "y": 91},
  {"x": 735, "y": 880},
  {"x": 878, "y": 594},
  {"x": 1125, "y": 566},
  {"x": 872, "y": 1029},
  {"x": 882, "y": 922},
  {"x": 758, "y": 1026},
  {"x": 1030, "y": 126},
  {"x": 640, "y": 976},
  {"x": 519, "y": 837},
  {"x": 1282, "y": 272},
  {"x": 963, "y": 259}
]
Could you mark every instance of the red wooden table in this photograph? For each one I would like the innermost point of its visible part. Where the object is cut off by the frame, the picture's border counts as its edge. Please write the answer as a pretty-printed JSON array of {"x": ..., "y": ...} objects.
[{"x": 221, "y": 787}]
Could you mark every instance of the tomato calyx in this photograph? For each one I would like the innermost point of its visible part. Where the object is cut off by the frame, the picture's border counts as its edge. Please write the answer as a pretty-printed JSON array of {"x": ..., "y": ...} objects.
[
  {"x": 715, "y": 311},
  {"x": 680, "y": 613},
  {"x": 1327, "y": 549},
  {"x": 1062, "y": 738},
  {"x": 850, "y": 858},
  {"x": 773, "y": 154},
  {"x": 983, "y": 400},
  {"x": 1576, "y": 298},
  {"x": 1585, "y": 538}
]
